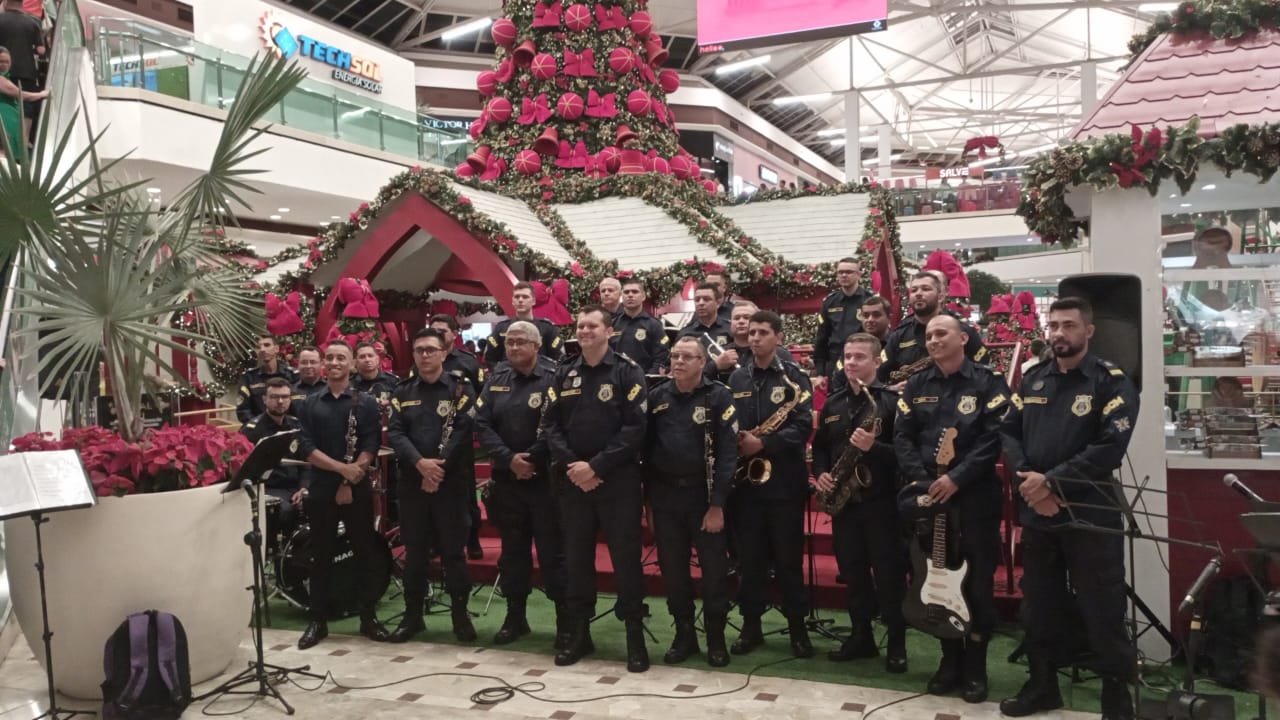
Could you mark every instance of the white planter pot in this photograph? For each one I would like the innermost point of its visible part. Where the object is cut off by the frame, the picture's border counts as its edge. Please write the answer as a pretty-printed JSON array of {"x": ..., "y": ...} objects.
[{"x": 181, "y": 552}]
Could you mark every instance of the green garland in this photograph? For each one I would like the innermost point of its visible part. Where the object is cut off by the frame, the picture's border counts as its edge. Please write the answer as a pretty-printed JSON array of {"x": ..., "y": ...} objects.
[{"x": 1229, "y": 19}]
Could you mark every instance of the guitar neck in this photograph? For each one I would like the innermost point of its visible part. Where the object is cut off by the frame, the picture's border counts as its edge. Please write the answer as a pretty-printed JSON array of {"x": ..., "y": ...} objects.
[{"x": 938, "y": 557}]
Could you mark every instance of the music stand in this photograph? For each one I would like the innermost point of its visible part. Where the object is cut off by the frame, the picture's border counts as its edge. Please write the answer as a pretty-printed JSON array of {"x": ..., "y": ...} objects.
[
  {"x": 268, "y": 454},
  {"x": 54, "y": 481},
  {"x": 1263, "y": 524}
]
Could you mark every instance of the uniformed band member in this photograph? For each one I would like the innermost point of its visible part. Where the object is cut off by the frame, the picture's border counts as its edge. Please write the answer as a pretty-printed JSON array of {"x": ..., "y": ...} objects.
[
  {"x": 341, "y": 432},
  {"x": 522, "y": 299},
  {"x": 839, "y": 317},
  {"x": 770, "y": 516},
  {"x": 371, "y": 378},
  {"x": 688, "y": 506},
  {"x": 709, "y": 327},
  {"x": 867, "y": 532},
  {"x": 874, "y": 316},
  {"x": 636, "y": 333},
  {"x": 283, "y": 482},
  {"x": 458, "y": 360},
  {"x": 956, "y": 392},
  {"x": 610, "y": 291},
  {"x": 310, "y": 377},
  {"x": 739, "y": 347},
  {"x": 431, "y": 431},
  {"x": 508, "y": 416},
  {"x": 595, "y": 429},
  {"x": 721, "y": 281},
  {"x": 906, "y": 344},
  {"x": 253, "y": 385},
  {"x": 1068, "y": 430}
]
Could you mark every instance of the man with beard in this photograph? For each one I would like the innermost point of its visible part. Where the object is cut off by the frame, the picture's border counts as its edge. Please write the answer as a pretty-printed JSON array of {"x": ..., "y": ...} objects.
[
  {"x": 840, "y": 318},
  {"x": 610, "y": 291},
  {"x": 710, "y": 329},
  {"x": 906, "y": 344},
  {"x": 721, "y": 280},
  {"x": 508, "y": 415},
  {"x": 957, "y": 393},
  {"x": 867, "y": 532},
  {"x": 431, "y": 431},
  {"x": 283, "y": 482},
  {"x": 522, "y": 299},
  {"x": 457, "y": 360},
  {"x": 253, "y": 386},
  {"x": 371, "y": 378},
  {"x": 637, "y": 334},
  {"x": 691, "y": 421},
  {"x": 1067, "y": 432},
  {"x": 310, "y": 377},
  {"x": 770, "y": 516},
  {"x": 595, "y": 429}
]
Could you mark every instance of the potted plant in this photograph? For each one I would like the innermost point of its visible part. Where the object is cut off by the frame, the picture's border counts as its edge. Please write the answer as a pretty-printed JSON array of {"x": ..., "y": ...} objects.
[{"x": 104, "y": 271}]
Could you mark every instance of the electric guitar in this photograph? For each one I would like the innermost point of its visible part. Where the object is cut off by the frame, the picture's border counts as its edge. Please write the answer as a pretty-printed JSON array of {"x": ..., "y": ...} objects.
[{"x": 935, "y": 601}]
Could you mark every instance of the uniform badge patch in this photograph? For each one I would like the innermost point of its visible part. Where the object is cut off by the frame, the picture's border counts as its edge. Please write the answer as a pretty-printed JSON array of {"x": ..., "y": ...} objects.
[
  {"x": 777, "y": 395},
  {"x": 577, "y": 382},
  {"x": 902, "y": 407},
  {"x": 699, "y": 415},
  {"x": 535, "y": 401},
  {"x": 1082, "y": 406},
  {"x": 605, "y": 394},
  {"x": 293, "y": 446},
  {"x": 442, "y": 407},
  {"x": 551, "y": 394},
  {"x": 967, "y": 405},
  {"x": 641, "y": 334},
  {"x": 728, "y": 413},
  {"x": 1037, "y": 385},
  {"x": 1121, "y": 424}
]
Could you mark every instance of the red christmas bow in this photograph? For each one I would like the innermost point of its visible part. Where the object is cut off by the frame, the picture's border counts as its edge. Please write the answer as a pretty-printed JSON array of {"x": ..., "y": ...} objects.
[
  {"x": 551, "y": 302},
  {"x": 572, "y": 156},
  {"x": 646, "y": 73},
  {"x": 357, "y": 298},
  {"x": 479, "y": 125},
  {"x": 610, "y": 18},
  {"x": 283, "y": 314},
  {"x": 496, "y": 167},
  {"x": 580, "y": 65},
  {"x": 660, "y": 110},
  {"x": 545, "y": 15},
  {"x": 980, "y": 144},
  {"x": 602, "y": 107},
  {"x": 596, "y": 166},
  {"x": 506, "y": 70},
  {"x": 957, "y": 281},
  {"x": 534, "y": 110}
]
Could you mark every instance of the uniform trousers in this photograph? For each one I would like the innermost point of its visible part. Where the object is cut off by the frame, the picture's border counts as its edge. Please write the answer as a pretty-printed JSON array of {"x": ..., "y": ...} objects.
[
  {"x": 438, "y": 520},
  {"x": 357, "y": 519},
  {"x": 980, "y": 547},
  {"x": 770, "y": 534},
  {"x": 678, "y": 510},
  {"x": 615, "y": 509},
  {"x": 526, "y": 516},
  {"x": 868, "y": 536}
]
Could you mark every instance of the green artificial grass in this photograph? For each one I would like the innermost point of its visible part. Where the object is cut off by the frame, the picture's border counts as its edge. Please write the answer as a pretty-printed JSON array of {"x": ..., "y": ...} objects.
[{"x": 923, "y": 651}]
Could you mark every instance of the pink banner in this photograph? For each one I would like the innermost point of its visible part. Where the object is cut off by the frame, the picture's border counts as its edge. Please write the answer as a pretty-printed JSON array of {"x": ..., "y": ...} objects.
[{"x": 727, "y": 21}]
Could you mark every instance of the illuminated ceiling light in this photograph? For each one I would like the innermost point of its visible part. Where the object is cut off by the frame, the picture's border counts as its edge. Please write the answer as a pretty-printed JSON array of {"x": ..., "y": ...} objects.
[
  {"x": 154, "y": 190},
  {"x": 275, "y": 217},
  {"x": 1184, "y": 205},
  {"x": 453, "y": 141},
  {"x": 839, "y": 143},
  {"x": 1158, "y": 6},
  {"x": 1043, "y": 148},
  {"x": 793, "y": 99},
  {"x": 466, "y": 28},
  {"x": 335, "y": 217},
  {"x": 831, "y": 131},
  {"x": 734, "y": 67},
  {"x": 282, "y": 210},
  {"x": 1210, "y": 186}
]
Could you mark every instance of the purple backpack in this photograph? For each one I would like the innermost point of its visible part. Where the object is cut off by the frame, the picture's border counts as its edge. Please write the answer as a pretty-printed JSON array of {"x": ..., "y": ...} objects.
[{"x": 148, "y": 675}]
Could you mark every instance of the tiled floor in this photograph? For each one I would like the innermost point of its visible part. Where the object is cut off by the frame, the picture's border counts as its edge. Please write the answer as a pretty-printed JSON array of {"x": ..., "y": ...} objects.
[{"x": 661, "y": 694}]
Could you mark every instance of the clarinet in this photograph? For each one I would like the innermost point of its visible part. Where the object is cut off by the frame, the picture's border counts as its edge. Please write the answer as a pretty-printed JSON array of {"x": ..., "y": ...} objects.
[
  {"x": 352, "y": 438},
  {"x": 710, "y": 448},
  {"x": 447, "y": 432}
]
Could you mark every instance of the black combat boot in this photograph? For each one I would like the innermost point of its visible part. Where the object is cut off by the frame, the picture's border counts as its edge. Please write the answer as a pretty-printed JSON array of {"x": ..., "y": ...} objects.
[
  {"x": 717, "y": 653},
  {"x": 462, "y": 627},
  {"x": 1039, "y": 694},
  {"x": 1117, "y": 702},
  {"x": 895, "y": 657},
  {"x": 975, "y": 671},
  {"x": 800, "y": 645},
  {"x": 684, "y": 644},
  {"x": 564, "y": 626},
  {"x": 515, "y": 625},
  {"x": 410, "y": 625},
  {"x": 947, "y": 678},
  {"x": 579, "y": 644},
  {"x": 637, "y": 653},
  {"x": 861, "y": 643},
  {"x": 750, "y": 638}
]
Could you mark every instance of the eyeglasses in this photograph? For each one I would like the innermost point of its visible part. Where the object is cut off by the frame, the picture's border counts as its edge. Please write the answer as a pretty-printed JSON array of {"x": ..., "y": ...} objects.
[
  {"x": 517, "y": 342},
  {"x": 685, "y": 357},
  {"x": 427, "y": 351}
]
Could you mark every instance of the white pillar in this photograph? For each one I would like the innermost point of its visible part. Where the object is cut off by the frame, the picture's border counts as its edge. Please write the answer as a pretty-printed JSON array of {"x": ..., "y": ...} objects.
[
  {"x": 1088, "y": 86},
  {"x": 1125, "y": 238},
  {"x": 852, "y": 129},
  {"x": 884, "y": 135}
]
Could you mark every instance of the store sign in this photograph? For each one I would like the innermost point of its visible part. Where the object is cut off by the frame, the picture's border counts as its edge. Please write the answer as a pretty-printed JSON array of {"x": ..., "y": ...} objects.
[
  {"x": 722, "y": 149},
  {"x": 361, "y": 73},
  {"x": 768, "y": 175},
  {"x": 953, "y": 173}
]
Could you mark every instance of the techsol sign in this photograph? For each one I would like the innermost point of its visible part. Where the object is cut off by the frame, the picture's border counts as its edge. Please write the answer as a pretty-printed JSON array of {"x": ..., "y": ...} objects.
[{"x": 364, "y": 74}]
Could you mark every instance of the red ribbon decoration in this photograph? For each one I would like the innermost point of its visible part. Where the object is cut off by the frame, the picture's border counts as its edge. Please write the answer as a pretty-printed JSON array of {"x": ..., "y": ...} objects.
[
  {"x": 596, "y": 167},
  {"x": 602, "y": 107},
  {"x": 545, "y": 15},
  {"x": 580, "y": 65},
  {"x": 551, "y": 302},
  {"x": 357, "y": 298},
  {"x": 646, "y": 73},
  {"x": 660, "y": 110},
  {"x": 506, "y": 70},
  {"x": 283, "y": 314},
  {"x": 534, "y": 110},
  {"x": 572, "y": 156},
  {"x": 497, "y": 166},
  {"x": 610, "y": 18}
]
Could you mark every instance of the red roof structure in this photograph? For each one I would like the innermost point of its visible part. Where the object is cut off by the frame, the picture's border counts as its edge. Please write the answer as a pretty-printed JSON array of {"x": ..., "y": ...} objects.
[{"x": 1224, "y": 82}]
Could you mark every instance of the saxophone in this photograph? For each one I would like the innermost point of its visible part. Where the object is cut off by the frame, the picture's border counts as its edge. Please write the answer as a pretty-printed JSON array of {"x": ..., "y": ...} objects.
[
  {"x": 902, "y": 373},
  {"x": 848, "y": 472},
  {"x": 757, "y": 470}
]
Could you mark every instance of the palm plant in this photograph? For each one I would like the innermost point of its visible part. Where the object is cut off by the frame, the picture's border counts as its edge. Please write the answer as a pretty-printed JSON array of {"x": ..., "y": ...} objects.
[{"x": 105, "y": 270}]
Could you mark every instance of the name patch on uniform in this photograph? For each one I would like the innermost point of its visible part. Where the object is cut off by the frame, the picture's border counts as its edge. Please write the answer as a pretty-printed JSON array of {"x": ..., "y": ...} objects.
[
  {"x": 258, "y": 385},
  {"x": 442, "y": 407},
  {"x": 571, "y": 393},
  {"x": 499, "y": 388},
  {"x": 661, "y": 407},
  {"x": 1110, "y": 407},
  {"x": 777, "y": 395},
  {"x": 605, "y": 394},
  {"x": 410, "y": 403},
  {"x": 836, "y": 309},
  {"x": 1035, "y": 400},
  {"x": 635, "y": 391},
  {"x": 743, "y": 394},
  {"x": 1082, "y": 405},
  {"x": 641, "y": 334},
  {"x": 996, "y": 402},
  {"x": 830, "y": 419},
  {"x": 924, "y": 399},
  {"x": 535, "y": 401},
  {"x": 907, "y": 343},
  {"x": 699, "y": 415},
  {"x": 967, "y": 405},
  {"x": 664, "y": 341}
]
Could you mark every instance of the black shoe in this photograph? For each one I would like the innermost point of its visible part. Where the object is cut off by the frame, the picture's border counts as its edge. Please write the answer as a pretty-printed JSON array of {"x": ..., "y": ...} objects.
[
  {"x": 1117, "y": 703},
  {"x": 315, "y": 632},
  {"x": 975, "y": 671},
  {"x": 462, "y": 627},
  {"x": 1039, "y": 694},
  {"x": 475, "y": 552},
  {"x": 860, "y": 644},
  {"x": 410, "y": 625},
  {"x": 637, "y": 653},
  {"x": 684, "y": 644},
  {"x": 579, "y": 645},
  {"x": 564, "y": 627},
  {"x": 717, "y": 653},
  {"x": 947, "y": 677},
  {"x": 749, "y": 639},
  {"x": 895, "y": 657},
  {"x": 800, "y": 645},
  {"x": 372, "y": 629},
  {"x": 513, "y": 628}
]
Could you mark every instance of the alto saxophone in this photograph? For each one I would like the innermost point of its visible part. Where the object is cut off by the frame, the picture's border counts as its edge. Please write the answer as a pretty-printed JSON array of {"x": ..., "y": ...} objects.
[
  {"x": 850, "y": 475},
  {"x": 758, "y": 470},
  {"x": 905, "y": 372}
]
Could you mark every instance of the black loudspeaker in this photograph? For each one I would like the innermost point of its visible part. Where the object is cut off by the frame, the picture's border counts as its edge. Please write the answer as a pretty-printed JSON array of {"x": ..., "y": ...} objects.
[{"x": 1117, "y": 317}]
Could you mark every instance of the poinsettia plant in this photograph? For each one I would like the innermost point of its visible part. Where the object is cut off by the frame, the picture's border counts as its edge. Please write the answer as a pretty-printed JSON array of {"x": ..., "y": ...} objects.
[{"x": 161, "y": 460}]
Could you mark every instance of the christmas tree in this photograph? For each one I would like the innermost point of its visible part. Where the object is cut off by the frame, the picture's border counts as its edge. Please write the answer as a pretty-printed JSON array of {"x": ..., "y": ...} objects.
[{"x": 575, "y": 88}]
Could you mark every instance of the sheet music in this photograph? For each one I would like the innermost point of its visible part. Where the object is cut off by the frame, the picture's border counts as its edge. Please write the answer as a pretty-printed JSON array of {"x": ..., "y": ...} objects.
[{"x": 44, "y": 481}]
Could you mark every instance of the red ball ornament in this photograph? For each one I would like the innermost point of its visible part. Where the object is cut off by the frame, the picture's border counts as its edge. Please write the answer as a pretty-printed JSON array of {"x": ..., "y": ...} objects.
[
  {"x": 504, "y": 32},
  {"x": 612, "y": 158},
  {"x": 622, "y": 60},
  {"x": 487, "y": 82},
  {"x": 660, "y": 165},
  {"x": 543, "y": 66},
  {"x": 669, "y": 80},
  {"x": 639, "y": 103},
  {"x": 682, "y": 167},
  {"x": 710, "y": 186},
  {"x": 641, "y": 24},
  {"x": 570, "y": 106},
  {"x": 528, "y": 162},
  {"x": 577, "y": 18},
  {"x": 499, "y": 109}
]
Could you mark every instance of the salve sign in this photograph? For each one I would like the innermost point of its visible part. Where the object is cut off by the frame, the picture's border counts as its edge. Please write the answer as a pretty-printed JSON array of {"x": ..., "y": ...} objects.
[{"x": 364, "y": 74}]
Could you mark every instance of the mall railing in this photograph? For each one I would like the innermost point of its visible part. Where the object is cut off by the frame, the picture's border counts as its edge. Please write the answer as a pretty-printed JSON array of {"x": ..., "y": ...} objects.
[
  {"x": 131, "y": 54},
  {"x": 996, "y": 193}
]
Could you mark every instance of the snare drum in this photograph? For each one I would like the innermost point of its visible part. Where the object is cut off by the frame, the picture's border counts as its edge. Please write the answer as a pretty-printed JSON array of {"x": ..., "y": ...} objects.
[{"x": 293, "y": 571}]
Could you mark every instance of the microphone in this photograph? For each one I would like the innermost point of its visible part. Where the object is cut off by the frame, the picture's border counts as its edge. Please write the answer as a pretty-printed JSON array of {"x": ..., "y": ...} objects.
[
  {"x": 247, "y": 484},
  {"x": 1233, "y": 482},
  {"x": 1206, "y": 575}
]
